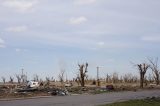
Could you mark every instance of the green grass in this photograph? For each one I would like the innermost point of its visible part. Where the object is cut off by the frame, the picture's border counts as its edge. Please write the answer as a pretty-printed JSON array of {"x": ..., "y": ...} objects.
[{"x": 145, "y": 102}]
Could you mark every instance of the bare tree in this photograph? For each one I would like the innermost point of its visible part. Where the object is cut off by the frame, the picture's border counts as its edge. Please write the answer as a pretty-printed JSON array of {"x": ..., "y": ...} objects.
[
  {"x": 82, "y": 73},
  {"x": 47, "y": 81},
  {"x": 23, "y": 76},
  {"x": 135, "y": 78},
  {"x": 115, "y": 77},
  {"x": 36, "y": 78},
  {"x": 76, "y": 80},
  {"x": 18, "y": 78},
  {"x": 4, "y": 80},
  {"x": 155, "y": 69},
  {"x": 150, "y": 78},
  {"x": 61, "y": 77},
  {"x": 142, "y": 70},
  {"x": 129, "y": 78},
  {"x": 108, "y": 78},
  {"x": 125, "y": 78},
  {"x": 11, "y": 79}
]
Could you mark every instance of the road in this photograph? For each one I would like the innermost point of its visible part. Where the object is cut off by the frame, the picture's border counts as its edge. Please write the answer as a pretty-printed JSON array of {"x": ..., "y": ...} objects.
[{"x": 83, "y": 100}]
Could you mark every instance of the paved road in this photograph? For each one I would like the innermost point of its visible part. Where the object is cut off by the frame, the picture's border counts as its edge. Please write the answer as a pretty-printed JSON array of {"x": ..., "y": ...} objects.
[{"x": 82, "y": 100}]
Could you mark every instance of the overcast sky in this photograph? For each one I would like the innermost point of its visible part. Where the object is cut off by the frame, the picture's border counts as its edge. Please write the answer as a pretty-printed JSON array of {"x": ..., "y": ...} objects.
[{"x": 44, "y": 36}]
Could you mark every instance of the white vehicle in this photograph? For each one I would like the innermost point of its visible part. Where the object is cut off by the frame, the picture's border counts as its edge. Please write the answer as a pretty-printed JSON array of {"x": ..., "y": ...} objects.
[{"x": 33, "y": 84}]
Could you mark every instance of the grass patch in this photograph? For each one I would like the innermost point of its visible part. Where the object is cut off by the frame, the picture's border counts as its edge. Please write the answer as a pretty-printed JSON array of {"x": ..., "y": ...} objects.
[
  {"x": 99, "y": 91},
  {"x": 145, "y": 102}
]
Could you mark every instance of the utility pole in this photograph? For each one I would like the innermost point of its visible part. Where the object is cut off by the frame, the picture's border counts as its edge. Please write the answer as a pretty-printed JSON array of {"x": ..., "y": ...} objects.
[
  {"x": 98, "y": 82},
  {"x": 22, "y": 76},
  {"x": 22, "y": 71},
  {"x": 66, "y": 78}
]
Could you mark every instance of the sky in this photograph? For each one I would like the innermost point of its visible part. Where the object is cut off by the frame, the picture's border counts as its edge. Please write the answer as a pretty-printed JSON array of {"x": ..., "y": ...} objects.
[{"x": 46, "y": 36}]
